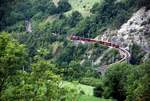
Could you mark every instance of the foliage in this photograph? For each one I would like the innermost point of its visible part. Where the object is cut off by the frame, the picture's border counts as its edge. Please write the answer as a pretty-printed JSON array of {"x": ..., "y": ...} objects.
[
  {"x": 86, "y": 27},
  {"x": 74, "y": 19},
  {"x": 63, "y": 6},
  {"x": 37, "y": 82},
  {"x": 136, "y": 54},
  {"x": 45, "y": 6},
  {"x": 138, "y": 83},
  {"x": 114, "y": 81},
  {"x": 5, "y": 10},
  {"x": 112, "y": 12},
  {"x": 26, "y": 9},
  {"x": 145, "y": 3},
  {"x": 51, "y": 54},
  {"x": 75, "y": 71},
  {"x": 13, "y": 57},
  {"x": 126, "y": 82}
]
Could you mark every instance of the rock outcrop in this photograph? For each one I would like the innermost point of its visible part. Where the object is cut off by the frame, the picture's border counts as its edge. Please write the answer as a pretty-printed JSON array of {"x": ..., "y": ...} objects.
[{"x": 135, "y": 30}]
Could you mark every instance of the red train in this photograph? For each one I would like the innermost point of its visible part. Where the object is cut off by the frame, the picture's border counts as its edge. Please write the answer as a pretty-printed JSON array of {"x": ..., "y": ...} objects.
[{"x": 95, "y": 41}]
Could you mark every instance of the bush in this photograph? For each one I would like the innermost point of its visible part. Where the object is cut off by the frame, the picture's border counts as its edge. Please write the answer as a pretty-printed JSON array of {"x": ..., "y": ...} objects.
[
  {"x": 144, "y": 3},
  {"x": 136, "y": 54},
  {"x": 63, "y": 6},
  {"x": 112, "y": 13},
  {"x": 74, "y": 19},
  {"x": 98, "y": 91},
  {"x": 126, "y": 83}
]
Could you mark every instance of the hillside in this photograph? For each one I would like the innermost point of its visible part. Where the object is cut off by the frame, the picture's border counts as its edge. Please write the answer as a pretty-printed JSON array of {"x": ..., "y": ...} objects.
[
  {"x": 83, "y": 6},
  {"x": 75, "y": 50}
]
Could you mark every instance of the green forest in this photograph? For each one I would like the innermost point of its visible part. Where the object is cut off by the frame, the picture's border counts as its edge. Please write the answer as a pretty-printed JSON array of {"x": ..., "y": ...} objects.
[{"x": 39, "y": 62}]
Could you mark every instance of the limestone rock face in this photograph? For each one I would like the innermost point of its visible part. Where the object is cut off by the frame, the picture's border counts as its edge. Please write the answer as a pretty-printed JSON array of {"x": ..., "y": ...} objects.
[{"x": 137, "y": 30}]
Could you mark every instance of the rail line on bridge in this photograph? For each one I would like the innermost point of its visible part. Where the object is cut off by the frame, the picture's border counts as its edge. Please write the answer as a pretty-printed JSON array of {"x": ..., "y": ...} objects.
[{"x": 123, "y": 52}]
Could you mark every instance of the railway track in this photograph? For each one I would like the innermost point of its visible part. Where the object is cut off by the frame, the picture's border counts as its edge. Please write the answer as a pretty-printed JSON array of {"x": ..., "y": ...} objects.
[{"x": 123, "y": 52}]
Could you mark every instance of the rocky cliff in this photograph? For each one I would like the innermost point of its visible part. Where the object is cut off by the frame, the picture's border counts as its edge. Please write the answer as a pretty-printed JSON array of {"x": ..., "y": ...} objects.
[{"x": 135, "y": 30}]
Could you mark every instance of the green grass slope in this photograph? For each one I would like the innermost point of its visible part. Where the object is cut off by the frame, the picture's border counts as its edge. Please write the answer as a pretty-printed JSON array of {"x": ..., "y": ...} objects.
[
  {"x": 88, "y": 90},
  {"x": 91, "y": 98},
  {"x": 83, "y": 6}
]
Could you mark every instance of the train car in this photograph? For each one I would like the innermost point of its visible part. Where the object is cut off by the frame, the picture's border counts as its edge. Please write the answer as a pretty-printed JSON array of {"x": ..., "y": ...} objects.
[
  {"x": 114, "y": 45},
  {"x": 83, "y": 39},
  {"x": 108, "y": 43},
  {"x": 101, "y": 42},
  {"x": 88, "y": 39},
  {"x": 92, "y": 40},
  {"x": 75, "y": 38}
]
